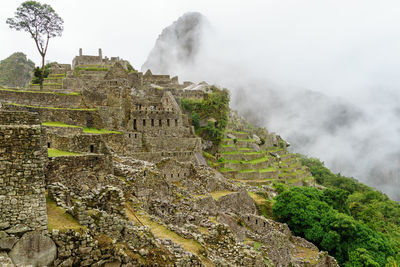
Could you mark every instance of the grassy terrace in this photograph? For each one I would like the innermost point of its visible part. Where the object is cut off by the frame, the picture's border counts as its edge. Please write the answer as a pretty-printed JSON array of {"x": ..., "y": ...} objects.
[
  {"x": 52, "y": 152},
  {"x": 36, "y": 92},
  {"x": 81, "y": 109},
  {"x": 55, "y": 84},
  {"x": 57, "y": 218},
  {"x": 85, "y": 129},
  {"x": 237, "y": 132},
  {"x": 243, "y": 153}
]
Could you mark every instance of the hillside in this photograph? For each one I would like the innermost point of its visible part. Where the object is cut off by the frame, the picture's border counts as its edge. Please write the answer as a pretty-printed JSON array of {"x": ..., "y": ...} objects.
[{"x": 16, "y": 70}]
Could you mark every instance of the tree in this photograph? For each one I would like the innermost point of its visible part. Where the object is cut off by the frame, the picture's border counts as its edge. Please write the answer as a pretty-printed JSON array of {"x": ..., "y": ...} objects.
[{"x": 41, "y": 22}]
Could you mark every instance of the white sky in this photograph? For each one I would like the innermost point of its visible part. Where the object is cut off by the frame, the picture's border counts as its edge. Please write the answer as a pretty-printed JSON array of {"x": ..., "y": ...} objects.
[
  {"x": 334, "y": 44},
  {"x": 339, "y": 47}
]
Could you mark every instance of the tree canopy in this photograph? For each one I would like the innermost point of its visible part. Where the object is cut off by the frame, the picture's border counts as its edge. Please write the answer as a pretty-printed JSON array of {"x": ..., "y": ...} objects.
[{"x": 41, "y": 22}]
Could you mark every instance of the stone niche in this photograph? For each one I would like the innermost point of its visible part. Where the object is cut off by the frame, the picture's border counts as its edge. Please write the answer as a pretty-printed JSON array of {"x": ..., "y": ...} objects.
[{"x": 22, "y": 191}]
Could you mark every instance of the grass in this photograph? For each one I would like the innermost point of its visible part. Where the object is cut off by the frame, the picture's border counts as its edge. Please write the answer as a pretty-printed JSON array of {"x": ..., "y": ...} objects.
[
  {"x": 257, "y": 245},
  {"x": 246, "y": 140},
  {"x": 238, "y": 132},
  {"x": 247, "y": 170},
  {"x": 245, "y": 149},
  {"x": 161, "y": 231},
  {"x": 218, "y": 194},
  {"x": 99, "y": 68},
  {"x": 99, "y": 131},
  {"x": 259, "y": 200},
  {"x": 85, "y": 129},
  {"x": 80, "y": 109},
  {"x": 226, "y": 170},
  {"x": 259, "y": 160},
  {"x": 227, "y": 145},
  {"x": 269, "y": 169},
  {"x": 55, "y": 84},
  {"x": 58, "y": 124},
  {"x": 57, "y": 218},
  {"x": 37, "y": 92},
  {"x": 52, "y": 152}
]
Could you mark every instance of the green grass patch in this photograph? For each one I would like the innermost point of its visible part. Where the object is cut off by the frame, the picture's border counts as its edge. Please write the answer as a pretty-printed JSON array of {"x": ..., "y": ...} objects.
[
  {"x": 227, "y": 145},
  {"x": 79, "y": 68},
  {"x": 226, "y": 170},
  {"x": 244, "y": 149},
  {"x": 259, "y": 160},
  {"x": 85, "y": 129},
  {"x": 52, "y": 152},
  {"x": 257, "y": 245},
  {"x": 246, "y": 140},
  {"x": 59, "y": 124},
  {"x": 55, "y": 84},
  {"x": 36, "y": 92},
  {"x": 253, "y": 153},
  {"x": 218, "y": 194},
  {"x": 247, "y": 170},
  {"x": 99, "y": 131},
  {"x": 57, "y": 218},
  {"x": 269, "y": 169},
  {"x": 237, "y": 132}
]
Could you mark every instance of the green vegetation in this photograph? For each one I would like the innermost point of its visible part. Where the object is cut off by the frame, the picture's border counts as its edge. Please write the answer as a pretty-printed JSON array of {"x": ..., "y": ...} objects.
[
  {"x": 41, "y": 22},
  {"x": 215, "y": 106},
  {"x": 15, "y": 71},
  {"x": 38, "y": 74},
  {"x": 52, "y": 152},
  {"x": 85, "y": 129},
  {"x": 308, "y": 213},
  {"x": 37, "y": 92},
  {"x": 99, "y": 131},
  {"x": 57, "y": 218},
  {"x": 356, "y": 224},
  {"x": 94, "y": 68}
]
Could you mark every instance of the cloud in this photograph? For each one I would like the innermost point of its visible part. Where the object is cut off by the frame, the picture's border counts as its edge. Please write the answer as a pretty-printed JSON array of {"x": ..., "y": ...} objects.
[{"x": 327, "y": 98}]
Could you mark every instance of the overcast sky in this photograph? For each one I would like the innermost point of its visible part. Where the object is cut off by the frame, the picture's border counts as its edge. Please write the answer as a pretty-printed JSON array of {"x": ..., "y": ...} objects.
[
  {"x": 346, "y": 49},
  {"x": 333, "y": 46}
]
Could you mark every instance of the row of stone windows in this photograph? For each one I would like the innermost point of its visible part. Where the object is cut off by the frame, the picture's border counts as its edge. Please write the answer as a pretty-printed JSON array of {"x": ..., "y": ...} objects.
[
  {"x": 152, "y": 123},
  {"x": 248, "y": 218}
]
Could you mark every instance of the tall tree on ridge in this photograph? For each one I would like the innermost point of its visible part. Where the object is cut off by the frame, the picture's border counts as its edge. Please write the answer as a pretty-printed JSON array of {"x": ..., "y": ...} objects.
[{"x": 42, "y": 23}]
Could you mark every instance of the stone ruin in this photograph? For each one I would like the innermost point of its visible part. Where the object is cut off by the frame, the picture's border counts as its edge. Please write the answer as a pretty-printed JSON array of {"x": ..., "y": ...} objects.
[{"x": 128, "y": 156}]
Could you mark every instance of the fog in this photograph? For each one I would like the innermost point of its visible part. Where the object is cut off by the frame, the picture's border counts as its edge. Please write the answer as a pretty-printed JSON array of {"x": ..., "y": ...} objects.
[
  {"x": 323, "y": 74},
  {"x": 330, "y": 90}
]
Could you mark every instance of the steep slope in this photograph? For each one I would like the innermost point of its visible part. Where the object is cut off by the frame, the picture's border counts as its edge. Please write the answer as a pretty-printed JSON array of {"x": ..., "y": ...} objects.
[
  {"x": 177, "y": 45},
  {"x": 16, "y": 70},
  {"x": 312, "y": 121}
]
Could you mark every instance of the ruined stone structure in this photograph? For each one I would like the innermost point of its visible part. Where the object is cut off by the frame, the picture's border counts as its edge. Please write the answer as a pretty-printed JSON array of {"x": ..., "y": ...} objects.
[
  {"x": 22, "y": 201},
  {"x": 126, "y": 179}
]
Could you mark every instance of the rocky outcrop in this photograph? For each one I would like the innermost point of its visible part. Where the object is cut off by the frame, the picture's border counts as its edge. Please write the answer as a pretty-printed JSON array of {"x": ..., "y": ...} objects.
[{"x": 34, "y": 249}]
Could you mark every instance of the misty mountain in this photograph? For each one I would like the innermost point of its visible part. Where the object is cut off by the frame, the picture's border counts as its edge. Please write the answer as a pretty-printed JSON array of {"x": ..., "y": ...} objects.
[
  {"x": 355, "y": 139},
  {"x": 16, "y": 70},
  {"x": 179, "y": 42}
]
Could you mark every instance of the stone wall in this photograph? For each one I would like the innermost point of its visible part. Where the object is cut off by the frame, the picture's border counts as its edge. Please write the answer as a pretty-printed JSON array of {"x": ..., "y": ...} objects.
[
  {"x": 79, "y": 117},
  {"x": 78, "y": 171},
  {"x": 41, "y": 99},
  {"x": 157, "y": 156},
  {"x": 22, "y": 192}
]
